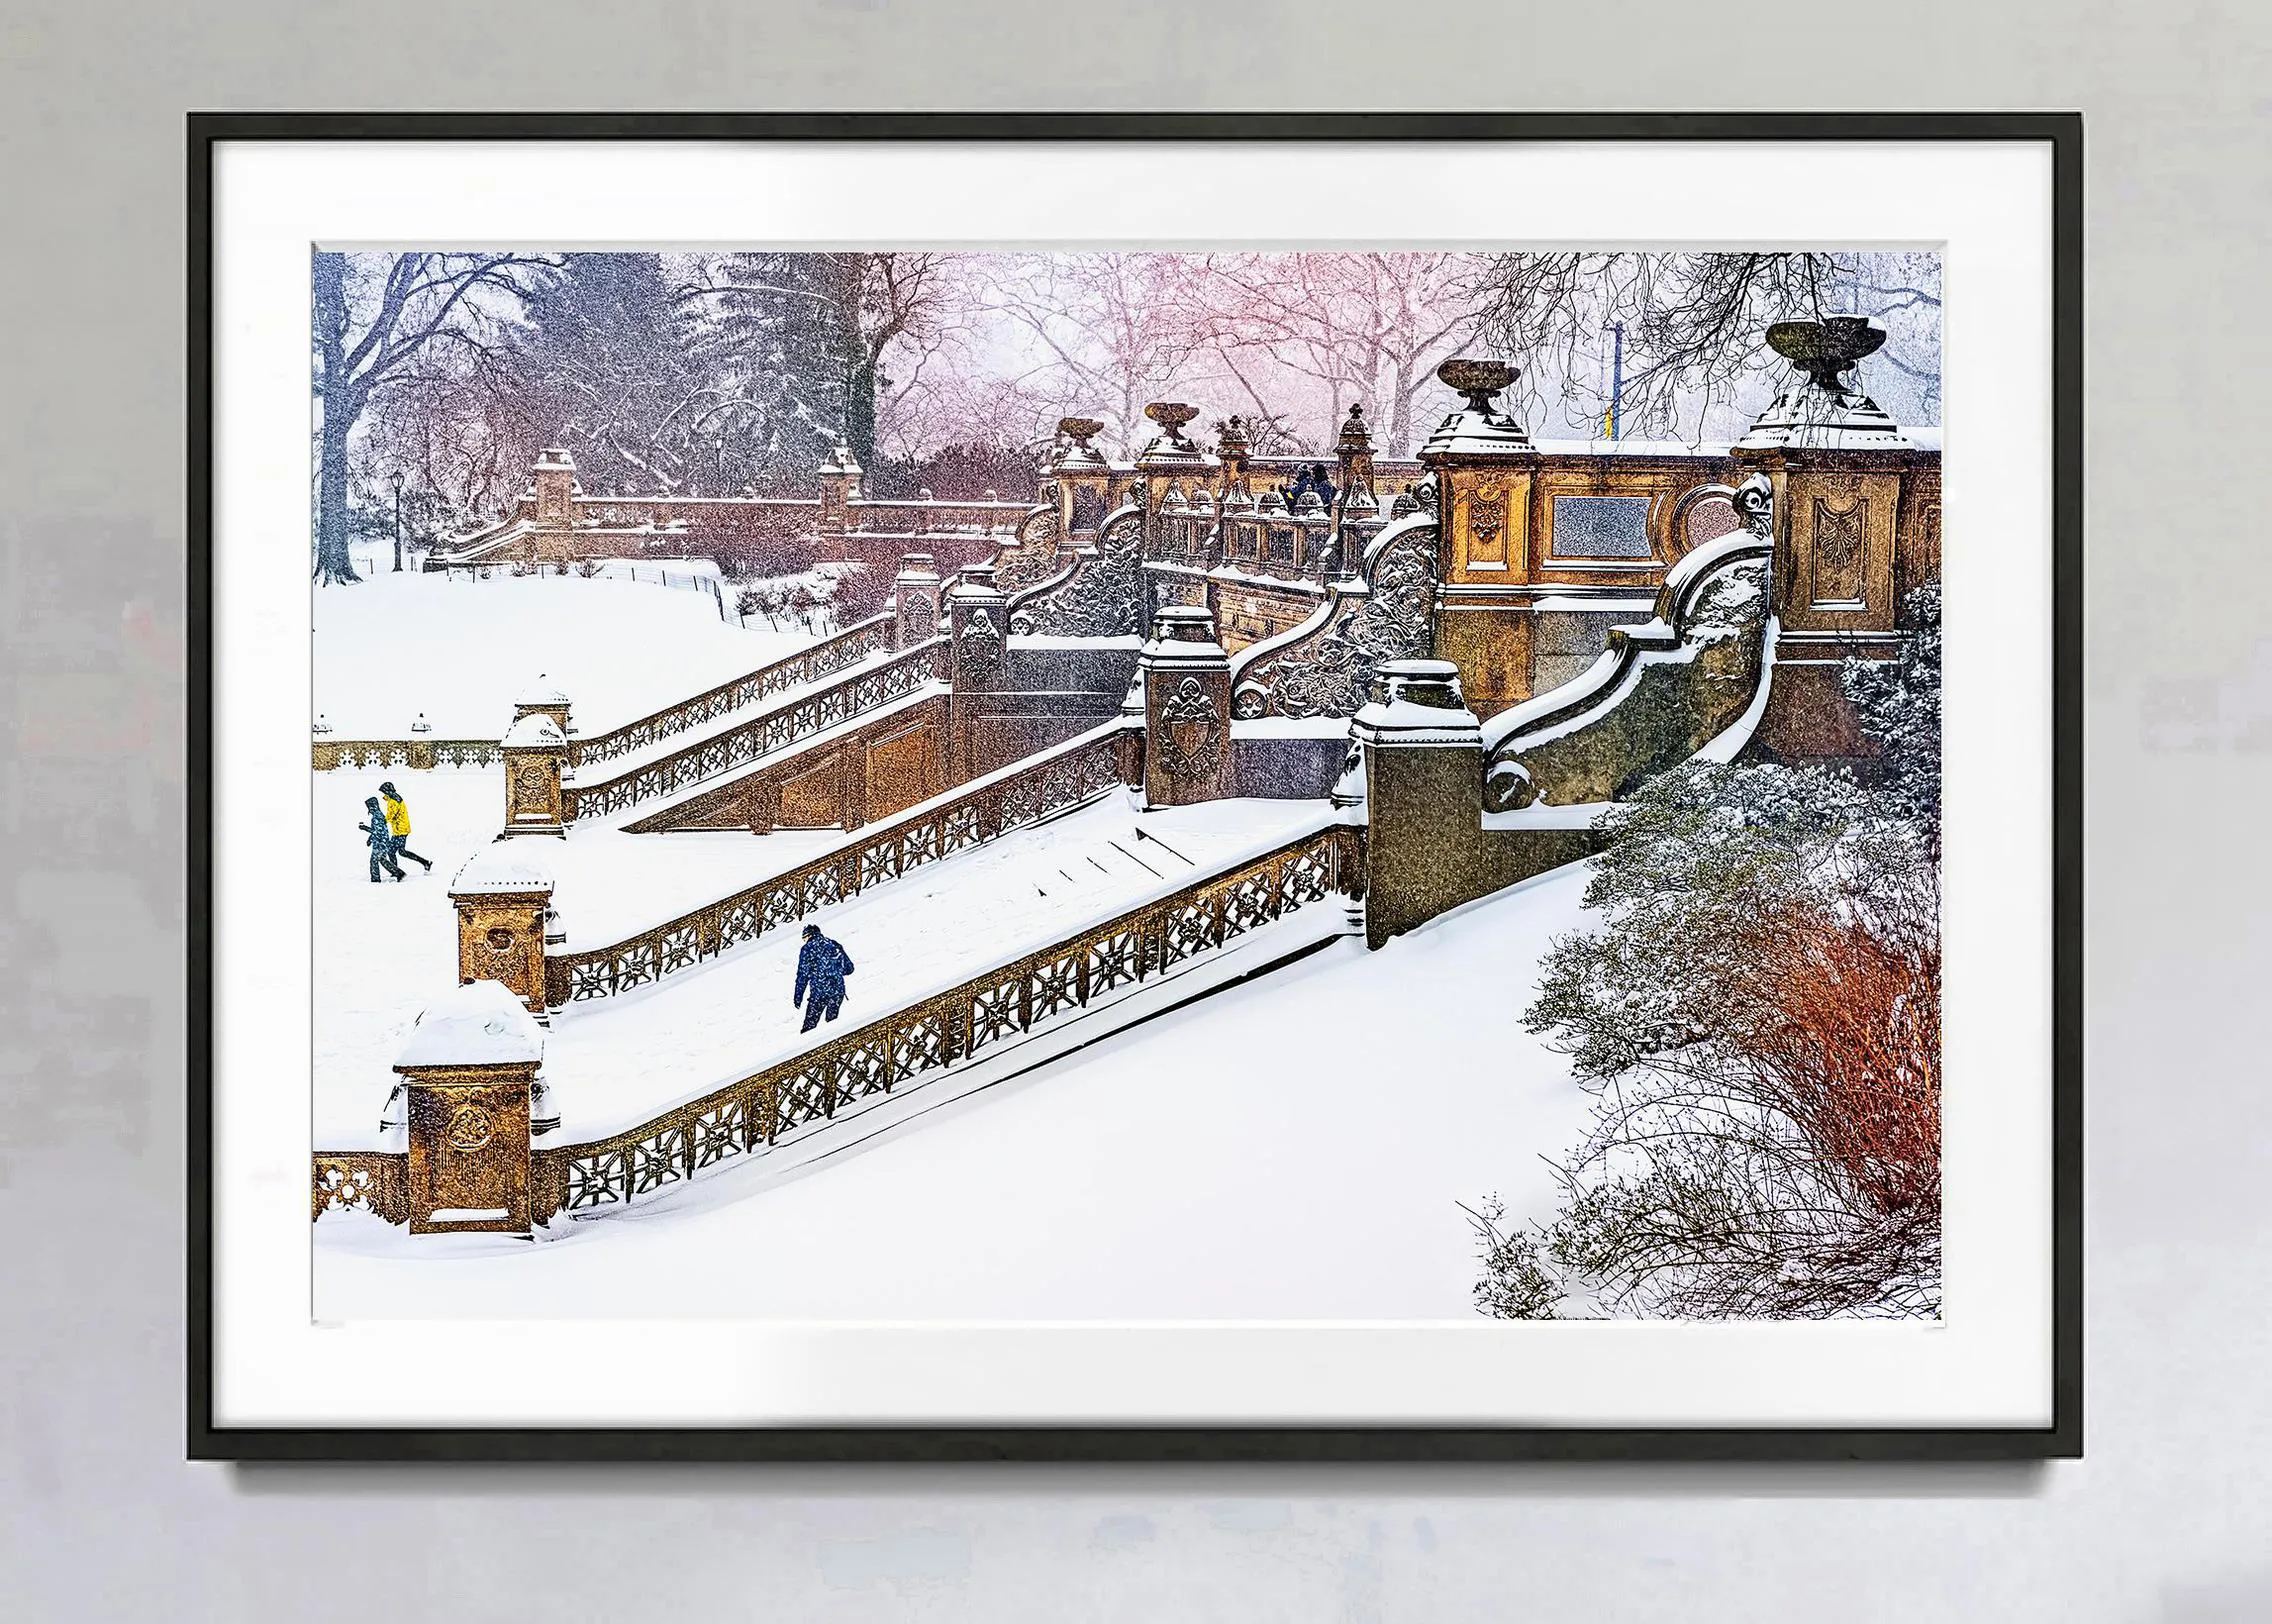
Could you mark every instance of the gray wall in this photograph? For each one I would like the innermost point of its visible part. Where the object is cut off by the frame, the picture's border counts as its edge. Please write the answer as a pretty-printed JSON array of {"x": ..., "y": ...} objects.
[{"x": 2170, "y": 1517}]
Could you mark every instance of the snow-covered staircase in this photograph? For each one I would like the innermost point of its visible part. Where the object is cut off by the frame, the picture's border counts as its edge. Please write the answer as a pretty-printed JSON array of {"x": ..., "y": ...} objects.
[{"x": 1195, "y": 931}]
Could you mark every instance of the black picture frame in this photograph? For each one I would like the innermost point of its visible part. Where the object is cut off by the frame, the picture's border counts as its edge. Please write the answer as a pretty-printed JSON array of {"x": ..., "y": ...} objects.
[{"x": 2062, "y": 1438}]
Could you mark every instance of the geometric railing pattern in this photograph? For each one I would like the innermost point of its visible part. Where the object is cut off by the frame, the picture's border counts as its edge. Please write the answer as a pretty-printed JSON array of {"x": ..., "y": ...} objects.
[
  {"x": 412, "y": 753},
  {"x": 926, "y": 1036},
  {"x": 1042, "y": 786},
  {"x": 822, "y": 659},
  {"x": 851, "y": 695},
  {"x": 940, "y": 1031}
]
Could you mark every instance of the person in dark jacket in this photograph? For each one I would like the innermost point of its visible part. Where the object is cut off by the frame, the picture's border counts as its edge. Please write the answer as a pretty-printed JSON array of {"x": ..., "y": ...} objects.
[
  {"x": 374, "y": 825},
  {"x": 1323, "y": 486},
  {"x": 822, "y": 965},
  {"x": 398, "y": 825},
  {"x": 1296, "y": 491}
]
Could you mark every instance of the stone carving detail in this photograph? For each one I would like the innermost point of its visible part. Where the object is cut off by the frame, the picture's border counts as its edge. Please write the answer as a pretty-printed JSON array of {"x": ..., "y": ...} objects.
[
  {"x": 1754, "y": 502},
  {"x": 534, "y": 785},
  {"x": 1191, "y": 732},
  {"x": 494, "y": 957},
  {"x": 1101, "y": 597},
  {"x": 470, "y": 1127},
  {"x": 1032, "y": 558},
  {"x": 1329, "y": 672},
  {"x": 981, "y": 645},
  {"x": 1837, "y": 552}
]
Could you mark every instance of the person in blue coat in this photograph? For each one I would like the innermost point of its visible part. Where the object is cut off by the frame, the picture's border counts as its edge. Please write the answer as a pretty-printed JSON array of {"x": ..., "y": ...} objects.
[
  {"x": 822, "y": 965},
  {"x": 374, "y": 827}
]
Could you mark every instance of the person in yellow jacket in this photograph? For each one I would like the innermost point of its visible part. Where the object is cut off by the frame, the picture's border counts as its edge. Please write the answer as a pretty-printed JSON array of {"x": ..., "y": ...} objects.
[{"x": 398, "y": 825}]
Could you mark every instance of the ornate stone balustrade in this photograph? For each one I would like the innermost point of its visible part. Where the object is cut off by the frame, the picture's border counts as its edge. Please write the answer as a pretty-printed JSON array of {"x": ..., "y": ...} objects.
[
  {"x": 373, "y": 1181},
  {"x": 853, "y": 694},
  {"x": 874, "y": 1059},
  {"x": 822, "y": 659},
  {"x": 1053, "y": 782},
  {"x": 1324, "y": 666},
  {"x": 417, "y": 754}
]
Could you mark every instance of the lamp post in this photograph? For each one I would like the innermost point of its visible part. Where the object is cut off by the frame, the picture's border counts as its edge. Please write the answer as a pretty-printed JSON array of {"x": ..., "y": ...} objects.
[{"x": 398, "y": 524}]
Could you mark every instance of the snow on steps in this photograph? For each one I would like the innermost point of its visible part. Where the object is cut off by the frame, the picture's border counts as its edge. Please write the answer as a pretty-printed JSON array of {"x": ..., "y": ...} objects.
[
  {"x": 1023, "y": 794},
  {"x": 1239, "y": 904},
  {"x": 879, "y": 1117}
]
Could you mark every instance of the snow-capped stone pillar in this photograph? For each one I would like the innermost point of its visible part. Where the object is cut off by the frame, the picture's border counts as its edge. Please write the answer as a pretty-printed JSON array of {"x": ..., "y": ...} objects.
[
  {"x": 469, "y": 1069},
  {"x": 503, "y": 897},
  {"x": 1485, "y": 468},
  {"x": 915, "y": 598},
  {"x": 1835, "y": 462},
  {"x": 839, "y": 489},
  {"x": 1170, "y": 464},
  {"x": 543, "y": 698},
  {"x": 1313, "y": 537},
  {"x": 1083, "y": 477},
  {"x": 536, "y": 760},
  {"x": 1353, "y": 453},
  {"x": 1422, "y": 793},
  {"x": 978, "y": 622},
  {"x": 1854, "y": 509},
  {"x": 1187, "y": 709},
  {"x": 978, "y": 664}
]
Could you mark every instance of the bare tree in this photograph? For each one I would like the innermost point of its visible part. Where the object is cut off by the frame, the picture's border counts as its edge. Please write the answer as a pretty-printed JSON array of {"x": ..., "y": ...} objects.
[
  {"x": 1115, "y": 329},
  {"x": 376, "y": 317},
  {"x": 1369, "y": 326},
  {"x": 1691, "y": 323}
]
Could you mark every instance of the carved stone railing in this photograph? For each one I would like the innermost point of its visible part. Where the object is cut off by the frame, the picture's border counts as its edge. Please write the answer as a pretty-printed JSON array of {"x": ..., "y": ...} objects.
[
  {"x": 1660, "y": 692},
  {"x": 940, "y": 1031},
  {"x": 809, "y": 664},
  {"x": 416, "y": 754},
  {"x": 1324, "y": 666},
  {"x": 866, "y": 688},
  {"x": 1041, "y": 786},
  {"x": 1098, "y": 592},
  {"x": 1031, "y": 556},
  {"x": 375, "y": 1181}
]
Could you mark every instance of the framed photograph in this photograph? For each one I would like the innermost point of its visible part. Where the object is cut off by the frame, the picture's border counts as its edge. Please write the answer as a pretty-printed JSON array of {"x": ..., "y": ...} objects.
[{"x": 985, "y": 786}]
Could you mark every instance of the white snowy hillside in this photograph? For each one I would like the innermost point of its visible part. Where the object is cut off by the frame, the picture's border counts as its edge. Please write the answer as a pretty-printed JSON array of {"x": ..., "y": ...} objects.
[
  {"x": 463, "y": 650},
  {"x": 1291, "y": 1148}
]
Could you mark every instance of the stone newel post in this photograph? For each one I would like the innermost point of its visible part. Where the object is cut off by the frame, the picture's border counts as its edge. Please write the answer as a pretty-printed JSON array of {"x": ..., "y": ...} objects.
[
  {"x": 915, "y": 593},
  {"x": 1354, "y": 453},
  {"x": 1485, "y": 468},
  {"x": 1083, "y": 477},
  {"x": 978, "y": 664},
  {"x": 839, "y": 489},
  {"x": 503, "y": 897},
  {"x": 1187, "y": 710},
  {"x": 553, "y": 480},
  {"x": 1422, "y": 754},
  {"x": 543, "y": 699},
  {"x": 536, "y": 760},
  {"x": 469, "y": 1069}
]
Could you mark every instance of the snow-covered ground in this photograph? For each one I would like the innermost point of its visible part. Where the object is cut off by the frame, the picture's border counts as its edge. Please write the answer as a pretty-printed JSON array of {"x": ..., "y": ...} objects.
[
  {"x": 1293, "y": 1148},
  {"x": 382, "y": 951},
  {"x": 463, "y": 650}
]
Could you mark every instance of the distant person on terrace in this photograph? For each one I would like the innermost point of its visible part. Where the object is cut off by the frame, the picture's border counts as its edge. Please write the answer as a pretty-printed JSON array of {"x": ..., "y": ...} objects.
[
  {"x": 1322, "y": 485},
  {"x": 822, "y": 965}
]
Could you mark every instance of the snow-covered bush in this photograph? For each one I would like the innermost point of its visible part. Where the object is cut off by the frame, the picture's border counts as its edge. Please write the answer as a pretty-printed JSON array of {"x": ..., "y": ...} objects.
[
  {"x": 1757, "y": 1017},
  {"x": 860, "y": 593}
]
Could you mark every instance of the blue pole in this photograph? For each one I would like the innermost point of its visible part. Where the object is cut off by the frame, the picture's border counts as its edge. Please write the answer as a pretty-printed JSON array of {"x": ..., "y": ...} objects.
[{"x": 1616, "y": 373}]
